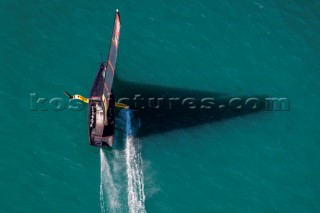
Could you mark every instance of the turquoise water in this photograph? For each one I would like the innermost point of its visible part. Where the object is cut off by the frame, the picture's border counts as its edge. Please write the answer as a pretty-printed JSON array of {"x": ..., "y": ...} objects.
[{"x": 257, "y": 162}]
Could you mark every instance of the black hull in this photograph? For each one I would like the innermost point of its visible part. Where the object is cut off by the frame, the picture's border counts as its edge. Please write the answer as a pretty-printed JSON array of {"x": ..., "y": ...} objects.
[{"x": 101, "y": 135}]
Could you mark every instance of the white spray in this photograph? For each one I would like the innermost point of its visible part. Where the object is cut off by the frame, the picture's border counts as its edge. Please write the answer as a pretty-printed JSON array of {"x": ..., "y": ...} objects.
[
  {"x": 136, "y": 196},
  {"x": 108, "y": 190}
]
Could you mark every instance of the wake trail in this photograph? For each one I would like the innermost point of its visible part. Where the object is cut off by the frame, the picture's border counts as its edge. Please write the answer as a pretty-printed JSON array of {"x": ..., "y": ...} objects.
[
  {"x": 136, "y": 196},
  {"x": 109, "y": 194},
  {"x": 117, "y": 167}
]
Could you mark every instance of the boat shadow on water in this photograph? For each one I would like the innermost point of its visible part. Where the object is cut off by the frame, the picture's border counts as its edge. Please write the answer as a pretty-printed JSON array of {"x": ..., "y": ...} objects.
[{"x": 158, "y": 109}]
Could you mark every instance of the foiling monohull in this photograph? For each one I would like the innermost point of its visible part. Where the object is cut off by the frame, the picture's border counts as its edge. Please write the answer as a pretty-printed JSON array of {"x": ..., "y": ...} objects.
[
  {"x": 101, "y": 103},
  {"x": 101, "y": 120}
]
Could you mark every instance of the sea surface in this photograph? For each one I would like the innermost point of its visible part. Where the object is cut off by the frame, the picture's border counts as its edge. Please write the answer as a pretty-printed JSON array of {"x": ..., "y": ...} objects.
[{"x": 262, "y": 161}]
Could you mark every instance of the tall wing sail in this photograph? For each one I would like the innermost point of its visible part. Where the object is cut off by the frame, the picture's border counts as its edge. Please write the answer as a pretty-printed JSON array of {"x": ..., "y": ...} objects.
[{"x": 110, "y": 64}]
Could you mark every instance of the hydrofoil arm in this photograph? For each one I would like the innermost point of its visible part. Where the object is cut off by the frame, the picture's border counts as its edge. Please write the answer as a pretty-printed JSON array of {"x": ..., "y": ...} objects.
[
  {"x": 86, "y": 100},
  {"x": 121, "y": 105},
  {"x": 78, "y": 97}
]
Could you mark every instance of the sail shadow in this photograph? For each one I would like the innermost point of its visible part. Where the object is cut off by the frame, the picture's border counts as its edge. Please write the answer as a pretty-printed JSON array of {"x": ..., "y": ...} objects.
[{"x": 159, "y": 109}]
